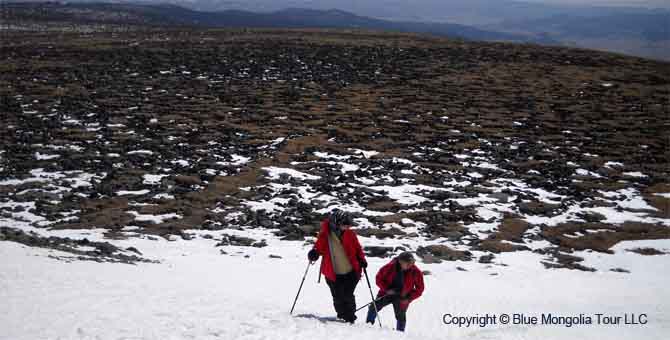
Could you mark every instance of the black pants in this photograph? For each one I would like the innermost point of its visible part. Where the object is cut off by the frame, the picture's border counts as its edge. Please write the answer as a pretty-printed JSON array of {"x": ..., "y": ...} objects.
[
  {"x": 400, "y": 314},
  {"x": 344, "y": 300}
]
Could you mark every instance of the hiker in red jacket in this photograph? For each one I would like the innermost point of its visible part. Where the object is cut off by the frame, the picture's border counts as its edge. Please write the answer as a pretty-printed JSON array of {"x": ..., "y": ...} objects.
[
  {"x": 400, "y": 282},
  {"x": 342, "y": 262}
]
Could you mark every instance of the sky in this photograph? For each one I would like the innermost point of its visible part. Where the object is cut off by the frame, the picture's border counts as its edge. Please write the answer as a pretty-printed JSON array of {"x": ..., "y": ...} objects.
[{"x": 635, "y": 3}]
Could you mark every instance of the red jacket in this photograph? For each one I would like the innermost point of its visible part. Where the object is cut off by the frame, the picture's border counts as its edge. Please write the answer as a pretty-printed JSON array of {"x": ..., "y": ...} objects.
[
  {"x": 412, "y": 287},
  {"x": 351, "y": 247}
]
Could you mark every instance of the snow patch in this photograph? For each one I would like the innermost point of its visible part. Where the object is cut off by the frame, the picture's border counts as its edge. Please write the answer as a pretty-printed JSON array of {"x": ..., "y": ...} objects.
[
  {"x": 157, "y": 219},
  {"x": 153, "y": 179},
  {"x": 275, "y": 172},
  {"x": 132, "y": 193},
  {"x": 45, "y": 157}
]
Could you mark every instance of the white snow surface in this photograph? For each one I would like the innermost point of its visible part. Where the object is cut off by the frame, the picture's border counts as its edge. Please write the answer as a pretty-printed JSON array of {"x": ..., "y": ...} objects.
[{"x": 196, "y": 293}]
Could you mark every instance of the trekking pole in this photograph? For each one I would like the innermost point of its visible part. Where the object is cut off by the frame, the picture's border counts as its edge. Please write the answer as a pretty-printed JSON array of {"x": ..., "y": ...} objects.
[
  {"x": 301, "y": 283},
  {"x": 369, "y": 303},
  {"x": 379, "y": 319}
]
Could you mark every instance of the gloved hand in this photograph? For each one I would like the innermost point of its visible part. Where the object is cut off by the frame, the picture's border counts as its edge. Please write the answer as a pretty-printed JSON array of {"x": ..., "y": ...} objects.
[
  {"x": 313, "y": 255},
  {"x": 363, "y": 263}
]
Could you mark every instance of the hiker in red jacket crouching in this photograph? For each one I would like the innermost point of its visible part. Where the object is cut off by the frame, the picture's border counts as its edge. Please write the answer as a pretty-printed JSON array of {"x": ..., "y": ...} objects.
[
  {"x": 400, "y": 282},
  {"x": 342, "y": 262}
]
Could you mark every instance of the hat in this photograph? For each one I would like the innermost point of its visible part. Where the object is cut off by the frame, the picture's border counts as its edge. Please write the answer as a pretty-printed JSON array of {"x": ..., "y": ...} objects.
[
  {"x": 406, "y": 256},
  {"x": 340, "y": 217}
]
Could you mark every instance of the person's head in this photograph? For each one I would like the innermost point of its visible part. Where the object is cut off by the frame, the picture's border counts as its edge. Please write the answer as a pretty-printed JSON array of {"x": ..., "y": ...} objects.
[
  {"x": 406, "y": 260},
  {"x": 340, "y": 219}
]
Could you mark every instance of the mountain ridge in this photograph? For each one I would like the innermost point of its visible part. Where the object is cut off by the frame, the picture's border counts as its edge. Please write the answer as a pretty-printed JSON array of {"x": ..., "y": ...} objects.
[
  {"x": 170, "y": 14},
  {"x": 631, "y": 31}
]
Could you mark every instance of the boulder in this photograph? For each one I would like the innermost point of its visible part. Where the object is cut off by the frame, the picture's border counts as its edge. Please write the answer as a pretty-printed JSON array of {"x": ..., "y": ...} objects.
[
  {"x": 380, "y": 233},
  {"x": 443, "y": 252},
  {"x": 486, "y": 258},
  {"x": 378, "y": 251},
  {"x": 496, "y": 246}
]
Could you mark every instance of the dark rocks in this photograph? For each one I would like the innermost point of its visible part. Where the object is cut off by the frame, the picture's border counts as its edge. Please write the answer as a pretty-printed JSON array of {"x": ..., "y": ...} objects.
[
  {"x": 380, "y": 233},
  {"x": 538, "y": 208},
  {"x": 661, "y": 203},
  {"x": 105, "y": 248},
  {"x": 598, "y": 203},
  {"x": 486, "y": 258},
  {"x": 377, "y": 251},
  {"x": 260, "y": 218},
  {"x": 575, "y": 266},
  {"x": 620, "y": 270},
  {"x": 134, "y": 250},
  {"x": 439, "y": 252},
  {"x": 205, "y": 129},
  {"x": 187, "y": 181},
  {"x": 441, "y": 221},
  {"x": 601, "y": 237},
  {"x": 591, "y": 216},
  {"x": 259, "y": 244},
  {"x": 561, "y": 260},
  {"x": 567, "y": 259},
  {"x": 30, "y": 196},
  {"x": 500, "y": 196},
  {"x": 383, "y": 204},
  {"x": 452, "y": 231},
  {"x": 232, "y": 240},
  {"x": 496, "y": 246},
  {"x": 102, "y": 252},
  {"x": 212, "y": 225},
  {"x": 646, "y": 251},
  {"x": 511, "y": 229},
  {"x": 273, "y": 256},
  {"x": 290, "y": 233}
]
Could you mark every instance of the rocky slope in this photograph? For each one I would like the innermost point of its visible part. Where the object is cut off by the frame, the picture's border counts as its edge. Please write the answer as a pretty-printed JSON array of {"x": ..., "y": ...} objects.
[{"x": 459, "y": 151}]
